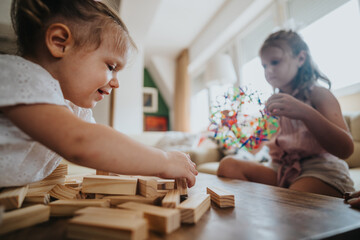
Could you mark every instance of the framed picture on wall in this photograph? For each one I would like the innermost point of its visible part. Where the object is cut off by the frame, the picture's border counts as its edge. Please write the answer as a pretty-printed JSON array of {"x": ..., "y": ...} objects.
[
  {"x": 150, "y": 100},
  {"x": 155, "y": 123}
]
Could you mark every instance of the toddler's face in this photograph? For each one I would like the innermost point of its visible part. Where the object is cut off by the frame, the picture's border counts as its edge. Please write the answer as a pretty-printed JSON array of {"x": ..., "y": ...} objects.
[
  {"x": 88, "y": 76},
  {"x": 280, "y": 67}
]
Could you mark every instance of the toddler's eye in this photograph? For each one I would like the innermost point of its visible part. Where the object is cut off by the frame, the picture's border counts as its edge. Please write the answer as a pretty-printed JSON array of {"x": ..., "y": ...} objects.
[{"x": 111, "y": 67}]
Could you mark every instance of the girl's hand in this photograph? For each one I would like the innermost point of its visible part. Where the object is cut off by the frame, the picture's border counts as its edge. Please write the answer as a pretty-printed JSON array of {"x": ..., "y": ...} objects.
[
  {"x": 353, "y": 199},
  {"x": 283, "y": 104},
  {"x": 179, "y": 165}
]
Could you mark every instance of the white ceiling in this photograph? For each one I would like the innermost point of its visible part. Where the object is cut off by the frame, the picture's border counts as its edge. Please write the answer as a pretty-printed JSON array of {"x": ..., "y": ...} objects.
[{"x": 177, "y": 23}]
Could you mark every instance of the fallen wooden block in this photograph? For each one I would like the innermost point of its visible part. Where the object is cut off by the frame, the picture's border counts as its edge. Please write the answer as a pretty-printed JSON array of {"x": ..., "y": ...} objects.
[
  {"x": 147, "y": 186},
  {"x": 59, "y": 172},
  {"x": 73, "y": 183},
  {"x": 61, "y": 208},
  {"x": 162, "y": 193},
  {"x": 116, "y": 200},
  {"x": 99, "y": 172},
  {"x": 107, "y": 227},
  {"x": 123, "y": 213},
  {"x": 56, "y": 177},
  {"x": 2, "y": 210},
  {"x": 76, "y": 177},
  {"x": 37, "y": 199},
  {"x": 164, "y": 220},
  {"x": 171, "y": 199},
  {"x": 99, "y": 196},
  {"x": 39, "y": 190},
  {"x": 109, "y": 185},
  {"x": 24, "y": 217},
  {"x": 13, "y": 197},
  {"x": 221, "y": 197},
  {"x": 64, "y": 192},
  {"x": 46, "y": 185},
  {"x": 165, "y": 184},
  {"x": 181, "y": 184},
  {"x": 194, "y": 207}
]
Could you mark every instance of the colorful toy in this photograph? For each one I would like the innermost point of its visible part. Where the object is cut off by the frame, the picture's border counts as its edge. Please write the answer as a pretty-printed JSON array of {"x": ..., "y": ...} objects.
[{"x": 236, "y": 125}]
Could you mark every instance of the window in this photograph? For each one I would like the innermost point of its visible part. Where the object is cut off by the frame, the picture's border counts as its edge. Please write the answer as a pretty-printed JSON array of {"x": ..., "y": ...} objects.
[{"x": 334, "y": 42}]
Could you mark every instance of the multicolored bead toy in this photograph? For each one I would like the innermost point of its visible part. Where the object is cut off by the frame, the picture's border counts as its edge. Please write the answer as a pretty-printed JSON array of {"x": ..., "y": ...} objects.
[{"x": 234, "y": 128}]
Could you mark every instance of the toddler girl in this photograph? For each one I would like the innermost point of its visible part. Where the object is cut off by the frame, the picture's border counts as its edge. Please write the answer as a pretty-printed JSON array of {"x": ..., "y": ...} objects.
[
  {"x": 313, "y": 137},
  {"x": 70, "y": 52}
]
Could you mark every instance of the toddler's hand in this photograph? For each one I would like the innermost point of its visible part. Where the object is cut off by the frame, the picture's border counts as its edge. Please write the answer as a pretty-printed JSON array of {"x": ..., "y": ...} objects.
[
  {"x": 179, "y": 165},
  {"x": 353, "y": 199}
]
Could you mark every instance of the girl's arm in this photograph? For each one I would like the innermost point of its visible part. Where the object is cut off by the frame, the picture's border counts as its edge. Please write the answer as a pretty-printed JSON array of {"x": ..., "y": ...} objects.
[
  {"x": 325, "y": 122},
  {"x": 97, "y": 146}
]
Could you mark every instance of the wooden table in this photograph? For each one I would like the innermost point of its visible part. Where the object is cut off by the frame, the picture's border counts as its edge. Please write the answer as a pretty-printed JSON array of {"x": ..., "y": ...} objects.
[{"x": 261, "y": 212}]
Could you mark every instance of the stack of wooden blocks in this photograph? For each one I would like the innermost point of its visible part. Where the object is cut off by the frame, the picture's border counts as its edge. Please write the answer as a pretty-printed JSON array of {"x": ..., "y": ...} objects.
[{"x": 103, "y": 206}]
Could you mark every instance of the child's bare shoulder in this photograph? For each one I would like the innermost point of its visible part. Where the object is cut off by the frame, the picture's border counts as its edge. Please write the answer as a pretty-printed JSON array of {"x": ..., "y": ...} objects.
[{"x": 321, "y": 94}]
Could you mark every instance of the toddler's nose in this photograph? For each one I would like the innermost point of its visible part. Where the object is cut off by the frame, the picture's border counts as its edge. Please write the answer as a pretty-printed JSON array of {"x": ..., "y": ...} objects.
[{"x": 114, "y": 82}]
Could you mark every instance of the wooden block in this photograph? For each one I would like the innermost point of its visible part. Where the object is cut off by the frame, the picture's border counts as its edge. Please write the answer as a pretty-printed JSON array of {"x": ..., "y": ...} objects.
[
  {"x": 107, "y": 227},
  {"x": 73, "y": 183},
  {"x": 181, "y": 184},
  {"x": 162, "y": 193},
  {"x": 164, "y": 220},
  {"x": 76, "y": 177},
  {"x": 2, "y": 210},
  {"x": 46, "y": 184},
  {"x": 165, "y": 184},
  {"x": 194, "y": 207},
  {"x": 116, "y": 200},
  {"x": 109, "y": 185},
  {"x": 99, "y": 196},
  {"x": 64, "y": 192},
  {"x": 171, "y": 199},
  {"x": 99, "y": 172},
  {"x": 62, "y": 208},
  {"x": 59, "y": 172},
  {"x": 221, "y": 197},
  {"x": 13, "y": 197},
  {"x": 35, "y": 191},
  {"x": 97, "y": 211},
  {"x": 147, "y": 187},
  {"x": 37, "y": 199},
  {"x": 24, "y": 217}
]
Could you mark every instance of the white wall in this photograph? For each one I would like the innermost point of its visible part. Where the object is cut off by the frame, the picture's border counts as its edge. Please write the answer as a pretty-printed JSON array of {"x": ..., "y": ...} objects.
[
  {"x": 128, "y": 111},
  {"x": 128, "y": 115}
]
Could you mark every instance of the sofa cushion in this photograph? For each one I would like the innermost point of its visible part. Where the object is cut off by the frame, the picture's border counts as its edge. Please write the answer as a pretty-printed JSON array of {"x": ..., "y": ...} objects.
[
  {"x": 355, "y": 126},
  {"x": 355, "y": 176},
  {"x": 354, "y": 160}
]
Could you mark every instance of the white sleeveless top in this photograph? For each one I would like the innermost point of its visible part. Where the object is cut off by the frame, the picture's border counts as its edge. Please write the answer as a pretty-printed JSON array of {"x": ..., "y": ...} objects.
[{"x": 23, "y": 160}]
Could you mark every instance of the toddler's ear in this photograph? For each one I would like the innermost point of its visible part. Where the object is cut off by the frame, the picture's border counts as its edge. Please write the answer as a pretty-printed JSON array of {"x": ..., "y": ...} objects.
[{"x": 58, "y": 38}]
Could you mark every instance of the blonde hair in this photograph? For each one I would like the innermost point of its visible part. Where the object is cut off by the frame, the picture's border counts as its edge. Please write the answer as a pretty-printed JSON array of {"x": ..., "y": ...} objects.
[
  {"x": 308, "y": 73},
  {"x": 86, "y": 20}
]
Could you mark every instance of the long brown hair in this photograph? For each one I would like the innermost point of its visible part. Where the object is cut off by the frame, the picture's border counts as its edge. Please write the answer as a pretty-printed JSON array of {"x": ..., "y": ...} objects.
[
  {"x": 308, "y": 73},
  {"x": 86, "y": 19}
]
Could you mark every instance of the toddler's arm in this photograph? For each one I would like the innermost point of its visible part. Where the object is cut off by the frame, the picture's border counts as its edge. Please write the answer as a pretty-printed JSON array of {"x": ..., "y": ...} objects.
[{"x": 97, "y": 146}]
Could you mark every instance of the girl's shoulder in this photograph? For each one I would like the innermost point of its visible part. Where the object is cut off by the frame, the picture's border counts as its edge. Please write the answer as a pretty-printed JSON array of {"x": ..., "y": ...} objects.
[{"x": 320, "y": 95}]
